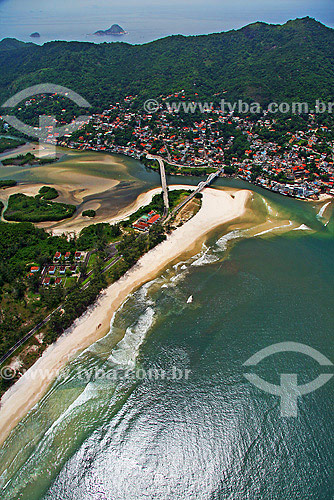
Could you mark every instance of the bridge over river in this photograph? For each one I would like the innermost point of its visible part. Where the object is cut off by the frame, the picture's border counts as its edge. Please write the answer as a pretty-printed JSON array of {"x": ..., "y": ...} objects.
[{"x": 200, "y": 187}]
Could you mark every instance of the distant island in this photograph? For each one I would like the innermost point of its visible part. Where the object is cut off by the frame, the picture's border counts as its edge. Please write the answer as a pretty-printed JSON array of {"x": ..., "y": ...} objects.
[
  {"x": 35, "y": 35},
  {"x": 114, "y": 30}
]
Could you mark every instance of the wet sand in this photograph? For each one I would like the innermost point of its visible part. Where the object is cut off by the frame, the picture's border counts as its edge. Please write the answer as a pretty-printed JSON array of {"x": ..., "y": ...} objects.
[{"x": 218, "y": 207}]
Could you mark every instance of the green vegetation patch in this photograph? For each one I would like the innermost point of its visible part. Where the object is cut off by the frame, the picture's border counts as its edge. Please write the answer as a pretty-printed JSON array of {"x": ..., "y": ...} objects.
[
  {"x": 89, "y": 213},
  {"x": 8, "y": 183},
  {"x": 157, "y": 205},
  {"x": 27, "y": 159},
  {"x": 6, "y": 144},
  {"x": 20, "y": 160},
  {"x": 97, "y": 235},
  {"x": 48, "y": 193},
  {"x": 22, "y": 208}
]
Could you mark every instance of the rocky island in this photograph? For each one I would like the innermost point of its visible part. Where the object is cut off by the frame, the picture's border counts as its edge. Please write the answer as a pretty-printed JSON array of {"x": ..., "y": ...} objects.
[
  {"x": 35, "y": 35},
  {"x": 114, "y": 30}
]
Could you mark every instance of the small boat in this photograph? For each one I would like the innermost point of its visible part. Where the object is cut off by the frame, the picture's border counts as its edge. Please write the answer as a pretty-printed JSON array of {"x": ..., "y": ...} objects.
[{"x": 190, "y": 299}]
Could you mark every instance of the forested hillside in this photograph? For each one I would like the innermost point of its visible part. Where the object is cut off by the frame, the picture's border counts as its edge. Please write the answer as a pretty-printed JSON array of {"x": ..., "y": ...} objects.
[{"x": 258, "y": 62}]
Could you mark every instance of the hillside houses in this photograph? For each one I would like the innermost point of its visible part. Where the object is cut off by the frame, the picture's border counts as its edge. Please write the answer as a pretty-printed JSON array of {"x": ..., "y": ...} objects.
[{"x": 298, "y": 163}]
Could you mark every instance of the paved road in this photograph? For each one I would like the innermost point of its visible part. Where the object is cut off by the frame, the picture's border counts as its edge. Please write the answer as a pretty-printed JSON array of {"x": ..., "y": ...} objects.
[
  {"x": 163, "y": 180},
  {"x": 47, "y": 319},
  {"x": 199, "y": 188},
  {"x": 27, "y": 336}
]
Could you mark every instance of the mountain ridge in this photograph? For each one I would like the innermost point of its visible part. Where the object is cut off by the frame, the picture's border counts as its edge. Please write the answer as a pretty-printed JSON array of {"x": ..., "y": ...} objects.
[{"x": 260, "y": 61}]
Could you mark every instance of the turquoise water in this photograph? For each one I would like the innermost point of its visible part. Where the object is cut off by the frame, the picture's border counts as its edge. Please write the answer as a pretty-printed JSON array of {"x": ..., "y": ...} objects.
[{"x": 104, "y": 433}]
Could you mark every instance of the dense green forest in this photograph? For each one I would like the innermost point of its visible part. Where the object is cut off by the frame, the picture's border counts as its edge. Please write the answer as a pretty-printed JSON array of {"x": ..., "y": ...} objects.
[
  {"x": 97, "y": 235},
  {"x": 22, "y": 208},
  {"x": 48, "y": 193},
  {"x": 89, "y": 213},
  {"x": 7, "y": 183},
  {"x": 6, "y": 143},
  {"x": 27, "y": 159},
  {"x": 258, "y": 62}
]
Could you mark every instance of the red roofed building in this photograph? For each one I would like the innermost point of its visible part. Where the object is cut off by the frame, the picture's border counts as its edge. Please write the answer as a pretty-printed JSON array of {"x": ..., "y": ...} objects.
[
  {"x": 153, "y": 219},
  {"x": 141, "y": 226},
  {"x": 57, "y": 256}
]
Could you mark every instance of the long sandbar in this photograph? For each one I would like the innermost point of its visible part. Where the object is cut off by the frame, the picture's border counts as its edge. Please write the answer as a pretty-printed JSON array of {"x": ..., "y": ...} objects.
[{"x": 218, "y": 207}]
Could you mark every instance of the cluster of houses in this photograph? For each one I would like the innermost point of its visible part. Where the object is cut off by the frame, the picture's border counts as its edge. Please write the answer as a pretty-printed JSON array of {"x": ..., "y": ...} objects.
[
  {"x": 146, "y": 221},
  {"x": 55, "y": 273},
  {"x": 303, "y": 165}
]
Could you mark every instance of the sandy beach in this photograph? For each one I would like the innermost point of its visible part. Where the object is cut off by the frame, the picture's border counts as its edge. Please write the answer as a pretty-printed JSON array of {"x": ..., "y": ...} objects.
[
  {"x": 77, "y": 223},
  {"x": 218, "y": 207},
  {"x": 70, "y": 192}
]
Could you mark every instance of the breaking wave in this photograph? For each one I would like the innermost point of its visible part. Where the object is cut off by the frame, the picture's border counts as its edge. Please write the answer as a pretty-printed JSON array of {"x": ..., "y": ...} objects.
[{"x": 126, "y": 351}]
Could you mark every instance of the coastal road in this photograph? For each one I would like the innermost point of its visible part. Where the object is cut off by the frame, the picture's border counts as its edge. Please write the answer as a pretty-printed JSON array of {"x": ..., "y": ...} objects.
[
  {"x": 28, "y": 335},
  {"x": 163, "y": 180},
  {"x": 47, "y": 319}
]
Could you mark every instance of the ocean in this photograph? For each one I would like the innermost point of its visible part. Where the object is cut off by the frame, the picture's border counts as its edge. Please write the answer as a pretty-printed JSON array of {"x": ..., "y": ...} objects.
[
  {"x": 144, "y": 21},
  {"x": 166, "y": 413}
]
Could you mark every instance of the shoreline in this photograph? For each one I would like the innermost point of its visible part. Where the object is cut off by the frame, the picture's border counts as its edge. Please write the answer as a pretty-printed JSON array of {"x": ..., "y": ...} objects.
[
  {"x": 75, "y": 225},
  {"x": 219, "y": 207}
]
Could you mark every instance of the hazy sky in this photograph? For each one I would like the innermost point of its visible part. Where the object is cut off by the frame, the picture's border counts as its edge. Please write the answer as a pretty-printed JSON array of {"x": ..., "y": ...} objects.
[{"x": 149, "y": 19}]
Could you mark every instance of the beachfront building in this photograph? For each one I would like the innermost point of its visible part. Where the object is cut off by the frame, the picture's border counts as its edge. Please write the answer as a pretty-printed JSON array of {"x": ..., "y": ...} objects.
[{"x": 146, "y": 221}]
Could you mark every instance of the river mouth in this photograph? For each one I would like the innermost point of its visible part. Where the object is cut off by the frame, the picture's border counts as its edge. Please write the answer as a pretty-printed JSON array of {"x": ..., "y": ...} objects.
[
  {"x": 197, "y": 428},
  {"x": 109, "y": 183},
  {"x": 102, "y": 182}
]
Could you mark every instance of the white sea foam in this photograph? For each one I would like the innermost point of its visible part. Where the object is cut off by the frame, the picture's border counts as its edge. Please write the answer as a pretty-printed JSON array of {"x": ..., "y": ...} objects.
[
  {"x": 322, "y": 210},
  {"x": 303, "y": 227},
  {"x": 180, "y": 264},
  {"x": 205, "y": 258},
  {"x": 273, "y": 229},
  {"x": 126, "y": 351},
  {"x": 268, "y": 207},
  {"x": 173, "y": 280},
  {"x": 142, "y": 293},
  {"x": 223, "y": 241}
]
